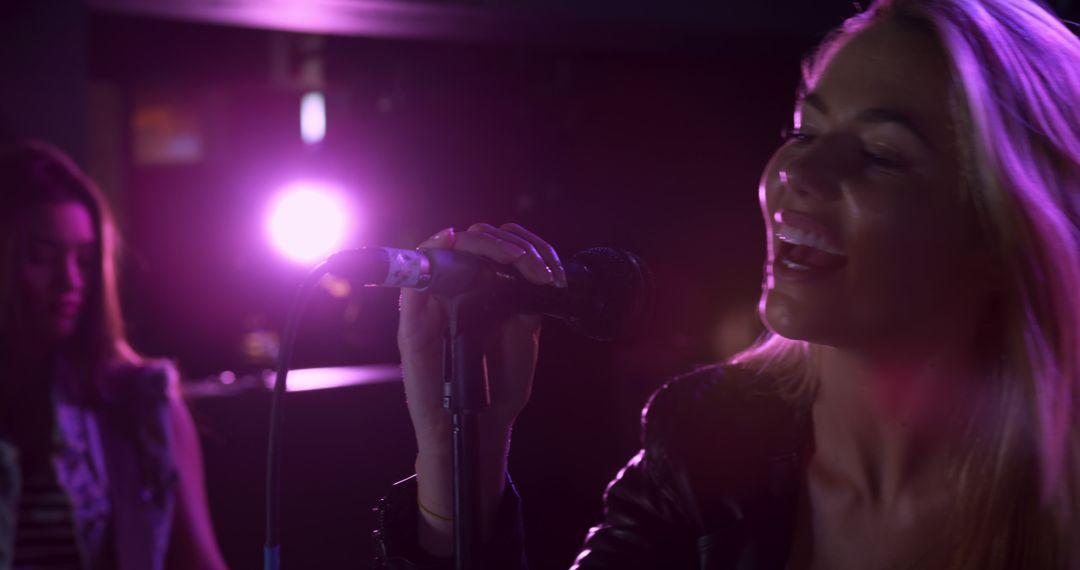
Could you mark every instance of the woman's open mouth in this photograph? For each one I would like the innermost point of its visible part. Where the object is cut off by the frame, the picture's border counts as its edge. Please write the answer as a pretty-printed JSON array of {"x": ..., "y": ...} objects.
[{"x": 804, "y": 251}]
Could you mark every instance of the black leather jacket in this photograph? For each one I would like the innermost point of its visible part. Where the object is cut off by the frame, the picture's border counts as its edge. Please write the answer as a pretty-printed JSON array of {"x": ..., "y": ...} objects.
[{"x": 715, "y": 486}]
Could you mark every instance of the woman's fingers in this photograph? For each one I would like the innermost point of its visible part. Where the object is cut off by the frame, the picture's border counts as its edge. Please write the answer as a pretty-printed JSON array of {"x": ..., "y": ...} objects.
[
  {"x": 509, "y": 244},
  {"x": 477, "y": 241},
  {"x": 442, "y": 240},
  {"x": 546, "y": 251},
  {"x": 507, "y": 248}
]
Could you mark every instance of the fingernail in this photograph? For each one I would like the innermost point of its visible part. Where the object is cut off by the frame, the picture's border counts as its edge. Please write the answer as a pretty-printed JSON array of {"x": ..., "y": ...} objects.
[
  {"x": 560, "y": 281},
  {"x": 443, "y": 234},
  {"x": 512, "y": 250},
  {"x": 546, "y": 276}
]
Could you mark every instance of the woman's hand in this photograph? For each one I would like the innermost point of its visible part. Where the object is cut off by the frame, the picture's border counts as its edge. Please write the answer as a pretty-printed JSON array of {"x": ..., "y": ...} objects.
[
  {"x": 510, "y": 360},
  {"x": 510, "y": 349}
]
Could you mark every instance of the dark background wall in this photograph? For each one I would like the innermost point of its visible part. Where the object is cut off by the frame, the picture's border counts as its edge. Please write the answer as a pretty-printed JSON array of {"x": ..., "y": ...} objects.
[
  {"x": 642, "y": 125},
  {"x": 44, "y": 72}
]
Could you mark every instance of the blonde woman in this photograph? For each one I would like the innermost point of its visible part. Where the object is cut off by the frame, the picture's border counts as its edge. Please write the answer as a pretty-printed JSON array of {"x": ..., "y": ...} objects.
[
  {"x": 100, "y": 465},
  {"x": 915, "y": 402}
]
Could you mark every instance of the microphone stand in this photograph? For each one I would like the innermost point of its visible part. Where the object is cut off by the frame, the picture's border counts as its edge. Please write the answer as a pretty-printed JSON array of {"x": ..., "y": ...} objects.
[{"x": 465, "y": 394}]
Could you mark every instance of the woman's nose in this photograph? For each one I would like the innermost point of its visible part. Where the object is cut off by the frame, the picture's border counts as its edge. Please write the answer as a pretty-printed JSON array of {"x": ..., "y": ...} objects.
[
  {"x": 71, "y": 274},
  {"x": 818, "y": 170}
]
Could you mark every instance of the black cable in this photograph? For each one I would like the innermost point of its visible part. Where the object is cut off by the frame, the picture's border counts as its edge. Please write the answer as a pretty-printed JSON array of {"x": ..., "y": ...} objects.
[{"x": 272, "y": 550}]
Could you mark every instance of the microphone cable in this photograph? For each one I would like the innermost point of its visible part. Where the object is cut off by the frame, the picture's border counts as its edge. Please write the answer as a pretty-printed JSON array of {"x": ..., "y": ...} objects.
[{"x": 272, "y": 549}]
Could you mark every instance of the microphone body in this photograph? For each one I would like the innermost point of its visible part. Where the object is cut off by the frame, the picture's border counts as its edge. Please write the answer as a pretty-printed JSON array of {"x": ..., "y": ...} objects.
[{"x": 607, "y": 294}]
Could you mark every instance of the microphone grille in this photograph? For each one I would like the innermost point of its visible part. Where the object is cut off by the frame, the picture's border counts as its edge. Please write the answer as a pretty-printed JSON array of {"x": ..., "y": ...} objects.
[{"x": 617, "y": 293}]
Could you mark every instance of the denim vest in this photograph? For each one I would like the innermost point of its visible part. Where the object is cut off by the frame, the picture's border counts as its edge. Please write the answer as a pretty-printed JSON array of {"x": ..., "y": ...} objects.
[{"x": 115, "y": 462}]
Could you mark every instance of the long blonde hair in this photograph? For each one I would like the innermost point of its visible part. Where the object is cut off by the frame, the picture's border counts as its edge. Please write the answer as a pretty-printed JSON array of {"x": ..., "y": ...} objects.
[{"x": 1016, "y": 82}]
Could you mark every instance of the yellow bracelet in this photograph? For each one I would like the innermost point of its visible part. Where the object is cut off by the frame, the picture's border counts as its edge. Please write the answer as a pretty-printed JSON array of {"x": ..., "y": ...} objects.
[{"x": 431, "y": 512}]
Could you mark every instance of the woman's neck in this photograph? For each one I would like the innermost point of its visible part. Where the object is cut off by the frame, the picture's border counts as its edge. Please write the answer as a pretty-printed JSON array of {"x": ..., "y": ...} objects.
[{"x": 885, "y": 425}]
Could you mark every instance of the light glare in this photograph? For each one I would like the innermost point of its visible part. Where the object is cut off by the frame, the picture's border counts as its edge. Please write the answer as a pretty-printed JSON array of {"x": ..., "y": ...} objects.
[
  {"x": 307, "y": 223},
  {"x": 312, "y": 117}
]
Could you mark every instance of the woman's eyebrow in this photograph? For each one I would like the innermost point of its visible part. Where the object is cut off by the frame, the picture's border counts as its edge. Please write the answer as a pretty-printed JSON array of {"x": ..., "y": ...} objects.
[{"x": 873, "y": 115}]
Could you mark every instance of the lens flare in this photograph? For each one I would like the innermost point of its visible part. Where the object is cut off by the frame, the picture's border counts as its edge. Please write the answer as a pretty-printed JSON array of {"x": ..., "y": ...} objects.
[{"x": 307, "y": 222}]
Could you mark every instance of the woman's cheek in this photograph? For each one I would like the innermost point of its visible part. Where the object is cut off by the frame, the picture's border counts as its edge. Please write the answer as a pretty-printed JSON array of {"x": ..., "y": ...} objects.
[{"x": 35, "y": 286}]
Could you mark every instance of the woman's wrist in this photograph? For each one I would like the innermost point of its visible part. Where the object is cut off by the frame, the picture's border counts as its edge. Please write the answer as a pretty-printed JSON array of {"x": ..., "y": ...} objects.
[
  {"x": 434, "y": 473},
  {"x": 435, "y": 438}
]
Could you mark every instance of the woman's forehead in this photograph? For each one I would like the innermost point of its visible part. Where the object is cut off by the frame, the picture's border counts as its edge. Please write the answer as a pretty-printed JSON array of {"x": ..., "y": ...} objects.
[
  {"x": 66, "y": 223},
  {"x": 888, "y": 66}
]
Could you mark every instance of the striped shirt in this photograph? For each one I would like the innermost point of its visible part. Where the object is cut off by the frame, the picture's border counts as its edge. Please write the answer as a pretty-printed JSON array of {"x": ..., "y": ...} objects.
[{"x": 45, "y": 529}]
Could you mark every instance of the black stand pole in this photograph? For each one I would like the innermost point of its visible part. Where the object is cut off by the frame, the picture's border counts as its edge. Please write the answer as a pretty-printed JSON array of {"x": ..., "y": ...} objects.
[{"x": 465, "y": 395}]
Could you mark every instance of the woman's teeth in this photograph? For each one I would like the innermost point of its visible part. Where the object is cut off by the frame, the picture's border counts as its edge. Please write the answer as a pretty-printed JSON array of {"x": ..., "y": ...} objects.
[{"x": 798, "y": 236}]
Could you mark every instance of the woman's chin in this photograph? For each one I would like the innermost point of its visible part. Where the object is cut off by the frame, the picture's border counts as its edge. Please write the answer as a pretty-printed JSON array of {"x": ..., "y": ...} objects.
[
  {"x": 61, "y": 328},
  {"x": 783, "y": 317}
]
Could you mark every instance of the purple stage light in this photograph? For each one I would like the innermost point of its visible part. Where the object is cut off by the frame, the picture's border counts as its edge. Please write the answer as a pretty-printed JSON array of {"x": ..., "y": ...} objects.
[{"x": 307, "y": 222}]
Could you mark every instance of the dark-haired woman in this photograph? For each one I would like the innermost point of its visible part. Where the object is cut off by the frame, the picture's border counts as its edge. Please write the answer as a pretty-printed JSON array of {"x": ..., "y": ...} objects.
[{"x": 100, "y": 466}]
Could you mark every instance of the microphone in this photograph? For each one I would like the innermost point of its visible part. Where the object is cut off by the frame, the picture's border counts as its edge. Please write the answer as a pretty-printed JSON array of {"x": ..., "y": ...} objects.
[{"x": 608, "y": 293}]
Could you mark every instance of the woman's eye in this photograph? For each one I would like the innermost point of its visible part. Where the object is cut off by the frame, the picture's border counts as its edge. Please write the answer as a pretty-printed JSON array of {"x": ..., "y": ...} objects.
[
  {"x": 881, "y": 160},
  {"x": 40, "y": 255},
  {"x": 800, "y": 136}
]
